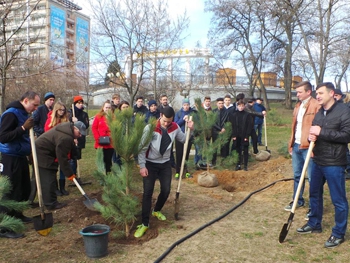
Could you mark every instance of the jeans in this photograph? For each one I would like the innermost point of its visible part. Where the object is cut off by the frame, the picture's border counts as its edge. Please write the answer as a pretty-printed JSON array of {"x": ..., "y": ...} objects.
[
  {"x": 334, "y": 175},
  {"x": 258, "y": 129},
  {"x": 162, "y": 172},
  {"x": 298, "y": 159}
]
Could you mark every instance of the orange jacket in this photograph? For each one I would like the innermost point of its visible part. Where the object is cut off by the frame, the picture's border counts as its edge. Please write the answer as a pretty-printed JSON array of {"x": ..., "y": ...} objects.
[{"x": 312, "y": 108}]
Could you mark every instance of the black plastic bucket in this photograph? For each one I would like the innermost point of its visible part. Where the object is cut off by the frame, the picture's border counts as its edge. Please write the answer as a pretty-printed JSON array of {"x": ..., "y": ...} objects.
[{"x": 95, "y": 240}]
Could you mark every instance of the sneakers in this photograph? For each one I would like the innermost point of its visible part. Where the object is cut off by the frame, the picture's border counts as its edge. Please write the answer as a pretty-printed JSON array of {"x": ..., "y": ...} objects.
[
  {"x": 188, "y": 175},
  {"x": 238, "y": 167},
  {"x": 306, "y": 229},
  {"x": 289, "y": 207},
  {"x": 307, "y": 215},
  {"x": 333, "y": 242},
  {"x": 159, "y": 215},
  {"x": 177, "y": 176},
  {"x": 141, "y": 230},
  {"x": 245, "y": 168}
]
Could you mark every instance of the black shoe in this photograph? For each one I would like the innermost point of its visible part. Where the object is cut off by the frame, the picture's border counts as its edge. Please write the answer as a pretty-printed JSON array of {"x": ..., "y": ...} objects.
[
  {"x": 58, "y": 192},
  {"x": 64, "y": 192},
  {"x": 245, "y": 168},
  {"x": 7, "y": 233},
  {"x": 62, "y": 183},
  {"x": 25, "y": 219},
  {"x": 33, "y": 204},
  {"x": 260, "y": 144},
  {"x": 56, "y": 206},
  {"x": 238, "y": 167},
  {"x": 306, "y": 229},
  {"x": 333, "y": 242}
]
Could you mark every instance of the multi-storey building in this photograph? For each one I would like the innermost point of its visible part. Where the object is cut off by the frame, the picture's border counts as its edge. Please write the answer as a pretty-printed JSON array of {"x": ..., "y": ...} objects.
[{"x": 55, "y": 30}]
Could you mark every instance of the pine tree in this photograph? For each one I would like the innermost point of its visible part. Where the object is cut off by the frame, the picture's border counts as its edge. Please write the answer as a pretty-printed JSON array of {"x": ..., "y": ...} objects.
[
  {"x": 9, "y": 222},
  {"x": 204, "y": 122},
  {"x": 127, "y": 133}
]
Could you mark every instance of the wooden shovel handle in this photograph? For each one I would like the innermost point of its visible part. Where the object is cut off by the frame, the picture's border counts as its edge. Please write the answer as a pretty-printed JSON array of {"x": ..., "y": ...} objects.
[{"x": 36, "y": 171}]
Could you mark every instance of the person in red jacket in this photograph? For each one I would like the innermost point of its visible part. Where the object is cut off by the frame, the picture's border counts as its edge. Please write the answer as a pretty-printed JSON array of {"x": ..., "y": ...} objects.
[{"x": 100, "y": 128}]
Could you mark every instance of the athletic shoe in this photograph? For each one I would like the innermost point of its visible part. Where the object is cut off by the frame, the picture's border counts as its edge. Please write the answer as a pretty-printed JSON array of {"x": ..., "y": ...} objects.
[
  {"x": 141, "y": 230},
  {"x": 159, "y": 215},
  {"x": 289, "y": 207},
  {"x": 188, "y": 175},
  {"x": 307, "y": 215},
  {"x": 333, "y": 242},
  {"x": 177, "y": 176},
  {"x": 306, "y": 229},
  {"x": 238, "y": 167}
]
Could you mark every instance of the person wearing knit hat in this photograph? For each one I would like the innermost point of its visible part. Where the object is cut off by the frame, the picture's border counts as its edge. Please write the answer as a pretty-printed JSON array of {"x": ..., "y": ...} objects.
[
  {"x": 153, "y": 111},
  {"x": 181, "y": 117},
  {"x": 338, "y": 95}
]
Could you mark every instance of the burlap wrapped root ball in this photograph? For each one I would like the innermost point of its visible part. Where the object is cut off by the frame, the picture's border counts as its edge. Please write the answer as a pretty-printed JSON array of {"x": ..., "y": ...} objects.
[
  {"x": 207, "y": 179},
  {"x": 263, "y": 156}
]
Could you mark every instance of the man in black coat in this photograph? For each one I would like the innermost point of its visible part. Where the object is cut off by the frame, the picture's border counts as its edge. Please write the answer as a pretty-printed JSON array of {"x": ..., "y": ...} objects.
[{"x": 40, "y": 115}]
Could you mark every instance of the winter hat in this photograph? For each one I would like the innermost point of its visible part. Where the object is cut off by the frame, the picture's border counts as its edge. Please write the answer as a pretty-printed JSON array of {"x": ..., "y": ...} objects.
[
  {"x": 338, "y": 92},
  {"x": 151, "y": 102},
  {"x": 48, "y": 95},
  {"x": 81, "y": 126},
  {"x": 185, "y": 100},
  {"x": 78, "y": 98}
]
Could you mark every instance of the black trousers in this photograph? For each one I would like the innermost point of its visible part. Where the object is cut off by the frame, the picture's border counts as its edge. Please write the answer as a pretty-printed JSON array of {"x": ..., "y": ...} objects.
[
  {"x": 107, "y": 158},
  {"x": 162, "y": 172},
  {"x": 17, "y": 170},
  {"x": 239, "y": 147},
  {"x": 48, "y": 186},
  {"x": 254, "y": 140}
]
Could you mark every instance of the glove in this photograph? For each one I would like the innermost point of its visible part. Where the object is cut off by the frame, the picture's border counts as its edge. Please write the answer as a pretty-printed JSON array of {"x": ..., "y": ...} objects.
[
  {"x": 29, "y": 123},
  {"x": 71, "y": 177}
]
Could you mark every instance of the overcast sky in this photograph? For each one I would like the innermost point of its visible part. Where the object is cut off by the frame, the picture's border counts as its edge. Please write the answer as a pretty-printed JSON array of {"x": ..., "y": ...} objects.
[{"x": 199, "y": 20}]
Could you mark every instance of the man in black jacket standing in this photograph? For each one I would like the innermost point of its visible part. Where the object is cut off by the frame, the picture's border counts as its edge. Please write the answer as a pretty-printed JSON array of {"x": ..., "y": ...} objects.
[{"x": 330, "y": 131}]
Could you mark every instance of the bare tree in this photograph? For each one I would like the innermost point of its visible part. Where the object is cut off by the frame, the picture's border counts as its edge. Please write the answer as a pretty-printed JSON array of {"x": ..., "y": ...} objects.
[
  {"x": 14, "y": 17},
  {"x": 135, "y": 34},
  {"x": 239, "y": 33}
]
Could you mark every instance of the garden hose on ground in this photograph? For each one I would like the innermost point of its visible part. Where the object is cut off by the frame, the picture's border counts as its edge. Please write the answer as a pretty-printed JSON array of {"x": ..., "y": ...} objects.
[{"x": 216, "y": 219}]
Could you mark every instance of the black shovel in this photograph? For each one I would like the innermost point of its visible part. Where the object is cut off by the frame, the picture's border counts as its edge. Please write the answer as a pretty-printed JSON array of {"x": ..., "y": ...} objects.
[
  {"x": 42, "y": 223},
  {"x": 89, "y": 203},
  {"x": 287, "y": 225}
]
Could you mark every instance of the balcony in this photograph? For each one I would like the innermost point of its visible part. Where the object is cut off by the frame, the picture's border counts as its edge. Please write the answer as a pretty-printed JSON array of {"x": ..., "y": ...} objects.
[
  {"x": 70, "y": 20},
  {"x": 70, "y": 31}
]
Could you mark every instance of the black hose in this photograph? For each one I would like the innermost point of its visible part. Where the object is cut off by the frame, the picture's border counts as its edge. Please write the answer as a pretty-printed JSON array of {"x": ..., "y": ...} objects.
[{"x": 215, "y": 220}]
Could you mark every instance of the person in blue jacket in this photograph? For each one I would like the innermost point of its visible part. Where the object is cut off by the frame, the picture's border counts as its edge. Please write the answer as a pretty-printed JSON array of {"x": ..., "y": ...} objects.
[
  {"x": 153, "y": 111},
  {"x": 258, "y": 107},
  {"x": 15, "y": 148},
  {"x": 181, "y": 118}
]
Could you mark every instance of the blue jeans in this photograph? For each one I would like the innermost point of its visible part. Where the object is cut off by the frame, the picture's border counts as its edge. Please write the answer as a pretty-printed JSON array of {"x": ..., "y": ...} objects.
[
  {"x": 298, "y": 160},
  {"x": 258, "y": 129},
  {"x": 334, "y": 175},
  {"x": 162, "y": 172}
]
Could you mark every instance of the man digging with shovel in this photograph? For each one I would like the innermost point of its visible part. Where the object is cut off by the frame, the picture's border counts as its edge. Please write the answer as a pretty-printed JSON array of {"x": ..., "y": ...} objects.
[
  {"x": 52, "y": 149},
  {"x": 154, "y": 161}
]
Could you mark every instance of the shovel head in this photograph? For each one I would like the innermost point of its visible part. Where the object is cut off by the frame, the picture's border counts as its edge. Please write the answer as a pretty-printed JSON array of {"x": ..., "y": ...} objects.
[
  {"x": 43, "y": 223},
  {"x": 177, "y": 206},
  {"x": 90, "y": 203},
  {"x": 285, "y": 228}
]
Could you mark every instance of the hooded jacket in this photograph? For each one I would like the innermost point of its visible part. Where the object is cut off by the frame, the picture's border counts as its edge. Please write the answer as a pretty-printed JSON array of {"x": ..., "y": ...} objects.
[
  {"x": 14, "y": 140},
  {"x": 56, "y": 143}
]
